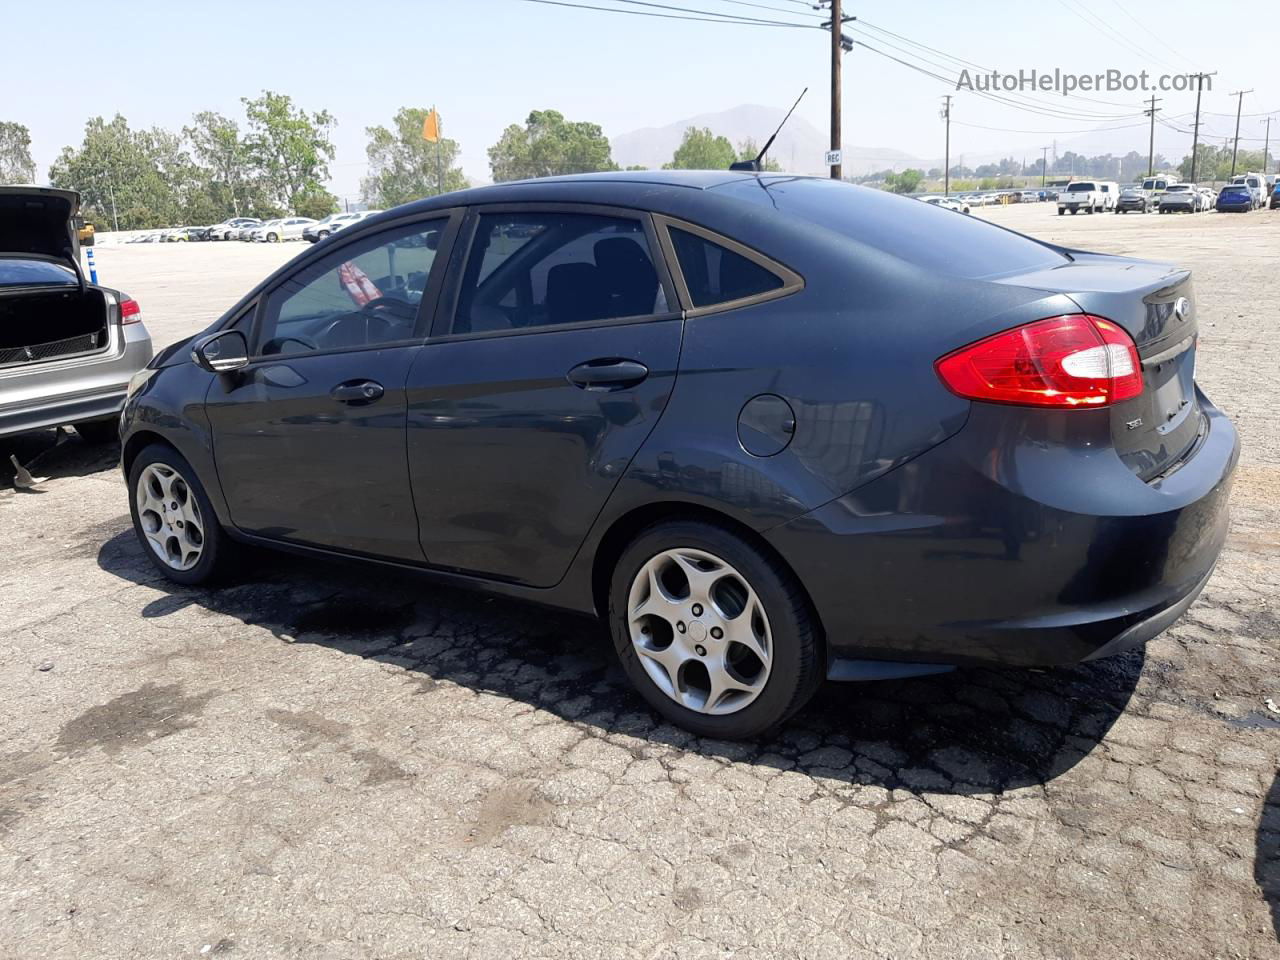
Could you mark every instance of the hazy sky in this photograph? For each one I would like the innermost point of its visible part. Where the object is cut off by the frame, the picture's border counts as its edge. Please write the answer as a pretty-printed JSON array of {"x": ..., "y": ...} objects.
[{"x": 486, "y": 63}]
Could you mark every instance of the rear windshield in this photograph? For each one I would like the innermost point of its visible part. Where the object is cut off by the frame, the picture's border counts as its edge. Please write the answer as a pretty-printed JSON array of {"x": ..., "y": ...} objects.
[
  {"x": 1240, "y": 190},
  {"x": 1079, "y": 187},
  {"x": 1178, "y": 188},
  {"x": 918, "y": 233},
  {"x": 19, "y": 273}
]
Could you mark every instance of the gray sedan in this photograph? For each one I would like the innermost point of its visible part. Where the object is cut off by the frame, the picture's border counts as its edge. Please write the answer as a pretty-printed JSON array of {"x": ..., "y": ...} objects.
[{"x": 68, "y": 348}]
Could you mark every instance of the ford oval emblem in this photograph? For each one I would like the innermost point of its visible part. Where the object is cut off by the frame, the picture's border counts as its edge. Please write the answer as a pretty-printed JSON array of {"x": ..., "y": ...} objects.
[{"x": 1182, "y": 308}]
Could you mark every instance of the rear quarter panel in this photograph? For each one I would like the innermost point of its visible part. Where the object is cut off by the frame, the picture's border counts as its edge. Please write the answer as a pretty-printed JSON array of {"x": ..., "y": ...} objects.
[{"x": 852, "y": 353}]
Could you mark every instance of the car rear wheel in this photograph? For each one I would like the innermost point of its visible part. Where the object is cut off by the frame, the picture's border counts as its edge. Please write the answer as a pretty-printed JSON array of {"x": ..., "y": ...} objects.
[
  {"x": 718, "y": 637},
  {"x": 173, "y": 518},
  {"x": 272, "y": 238}
]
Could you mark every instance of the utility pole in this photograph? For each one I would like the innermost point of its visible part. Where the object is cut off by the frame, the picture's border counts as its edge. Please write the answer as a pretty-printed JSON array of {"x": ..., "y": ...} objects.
[
  {"x": 1266, "y": 148},
  {"x": 1195, "y": 136},
  {"x": 1151, "y": 146},
  {"x": 1044, "y": 165},
  {"x": 946, "y": 159},
  {"x": 1239, "y": 95},
  {"x": 837, "y": 169},
  {"x": 839, "y": 44}
]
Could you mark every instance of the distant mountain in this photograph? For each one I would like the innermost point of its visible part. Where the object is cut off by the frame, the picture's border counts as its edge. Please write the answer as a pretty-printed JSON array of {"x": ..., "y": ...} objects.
[{"x": 799, "y": 147}]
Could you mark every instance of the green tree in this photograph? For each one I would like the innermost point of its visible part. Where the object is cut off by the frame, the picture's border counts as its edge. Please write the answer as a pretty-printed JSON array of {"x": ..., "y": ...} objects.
[
  {"x": 227, "y": 174},
  {"x": 1214, "y": 163},
  {"x": 289, "y": 147},
  {"x": 748, "y": 149},
  {"x": 403, "y": 166},
  {"x": 908, "y": 181},
  {"x": 548, "y": 145},
  {"x": 702, "y": 150},
  {"x": 16, "y": 165},
  {"x": 315, "y": 202},
  {"x": 134, "y": 178}
]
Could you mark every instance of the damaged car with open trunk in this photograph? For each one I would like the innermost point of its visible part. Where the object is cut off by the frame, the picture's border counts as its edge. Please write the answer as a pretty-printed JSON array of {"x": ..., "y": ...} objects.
[{"x": 68, "y": 348}]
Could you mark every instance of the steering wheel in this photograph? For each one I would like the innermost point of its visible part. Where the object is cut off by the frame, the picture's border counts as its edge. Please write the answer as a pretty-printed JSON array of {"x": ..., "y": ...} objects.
[{"x": 401, "y": 309}]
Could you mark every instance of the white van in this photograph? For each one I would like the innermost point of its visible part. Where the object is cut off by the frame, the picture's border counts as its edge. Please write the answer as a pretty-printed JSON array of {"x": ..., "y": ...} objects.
[
  {"x": 1153, "y": 187},
  {"x": 1110, "y": 191}
]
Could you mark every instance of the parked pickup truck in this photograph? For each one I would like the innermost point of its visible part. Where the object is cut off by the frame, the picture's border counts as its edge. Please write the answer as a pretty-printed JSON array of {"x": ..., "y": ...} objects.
[{"x": 1081, "y": 195}]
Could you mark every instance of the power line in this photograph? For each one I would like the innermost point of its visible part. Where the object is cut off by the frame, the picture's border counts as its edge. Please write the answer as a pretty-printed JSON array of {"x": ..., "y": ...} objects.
[
  {"x": 968, "y": 63},
  {"x": 762, "y": 6},
  {"x": 1048, "y": 109},
  {"x": 1111, "y": 33},
  {"x": 978, "y": 126},
  {"x": 997, "y": 98},
  {"x": 1147, "y": 29},
  {"x": 670, "y": 16},
  {"x": 728, "y": 17}
]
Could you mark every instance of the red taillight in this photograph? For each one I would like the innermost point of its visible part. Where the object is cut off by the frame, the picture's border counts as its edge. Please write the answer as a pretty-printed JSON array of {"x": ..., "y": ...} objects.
[
  {"x": 1072, "y": 361},
  {"x": 130, "y": 312}
]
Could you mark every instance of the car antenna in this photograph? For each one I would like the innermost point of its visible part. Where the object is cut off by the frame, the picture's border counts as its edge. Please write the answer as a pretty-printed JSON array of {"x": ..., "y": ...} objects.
[{"x": 754, "y": 165}]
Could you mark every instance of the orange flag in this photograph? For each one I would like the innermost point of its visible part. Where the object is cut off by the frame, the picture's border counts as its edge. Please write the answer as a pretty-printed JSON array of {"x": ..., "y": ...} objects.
[{"x": 431, "y": 127}]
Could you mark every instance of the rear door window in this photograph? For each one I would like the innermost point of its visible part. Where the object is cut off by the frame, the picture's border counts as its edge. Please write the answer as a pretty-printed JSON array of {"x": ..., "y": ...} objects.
[{"x": 531, "y": 270}]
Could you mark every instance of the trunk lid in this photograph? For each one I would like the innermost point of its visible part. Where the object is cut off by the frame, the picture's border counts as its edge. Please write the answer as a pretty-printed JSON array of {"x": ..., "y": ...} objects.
[
  {"x": 38, "y": 221},
  {"x": 1155, "y": 303}
]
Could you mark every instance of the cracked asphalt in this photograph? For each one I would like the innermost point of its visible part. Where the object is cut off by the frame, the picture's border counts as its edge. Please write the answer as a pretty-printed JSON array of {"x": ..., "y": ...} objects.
[{"x": 324, "y": 761}]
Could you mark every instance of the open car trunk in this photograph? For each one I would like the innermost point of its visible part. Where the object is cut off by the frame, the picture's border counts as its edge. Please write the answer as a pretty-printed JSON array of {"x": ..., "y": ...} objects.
[{"x": 37, "y": 326}]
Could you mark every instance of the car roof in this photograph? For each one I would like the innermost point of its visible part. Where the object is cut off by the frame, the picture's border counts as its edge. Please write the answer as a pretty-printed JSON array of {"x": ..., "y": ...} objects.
[{"x": 629, "y": 187}]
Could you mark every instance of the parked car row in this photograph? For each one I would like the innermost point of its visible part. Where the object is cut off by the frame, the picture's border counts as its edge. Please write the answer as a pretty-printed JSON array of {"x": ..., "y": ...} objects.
[
  {"x": 253, "y": 229},
  {"x": 1166, "y": 194}
]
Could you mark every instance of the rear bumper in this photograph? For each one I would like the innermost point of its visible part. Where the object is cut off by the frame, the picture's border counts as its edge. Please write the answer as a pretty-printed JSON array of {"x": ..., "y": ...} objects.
[
  {"x": 86, "y": 388},
  {"x": 994, "y": 547}
]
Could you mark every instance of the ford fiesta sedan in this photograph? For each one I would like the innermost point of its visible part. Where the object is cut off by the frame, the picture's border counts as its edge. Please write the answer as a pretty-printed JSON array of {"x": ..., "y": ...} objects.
[{"x": 772, "y": 429}]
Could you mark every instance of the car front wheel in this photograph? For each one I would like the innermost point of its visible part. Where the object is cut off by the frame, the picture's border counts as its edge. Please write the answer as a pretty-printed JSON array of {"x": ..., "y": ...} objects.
[
  {"x": 717, "y": 636},
  {"x": 173, "y": 518},
  {"x": 272, "y": 238}
]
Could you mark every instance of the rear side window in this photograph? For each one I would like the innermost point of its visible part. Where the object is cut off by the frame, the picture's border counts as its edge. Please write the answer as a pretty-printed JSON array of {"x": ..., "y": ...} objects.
[{"x": 715, "y": 275}]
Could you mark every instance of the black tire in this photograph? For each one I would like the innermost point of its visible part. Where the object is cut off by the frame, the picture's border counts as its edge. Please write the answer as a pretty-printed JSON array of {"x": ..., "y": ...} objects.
[
  {"x": 218, "y": 548},
  {"x": 99, "y": 431},
  {"x": 798, "y": 664},
  {"x": 272, "y": 238}
]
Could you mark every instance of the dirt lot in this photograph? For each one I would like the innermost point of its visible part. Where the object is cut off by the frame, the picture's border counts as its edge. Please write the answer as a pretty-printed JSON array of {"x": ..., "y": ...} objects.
[{"x": 319, "y": 762}]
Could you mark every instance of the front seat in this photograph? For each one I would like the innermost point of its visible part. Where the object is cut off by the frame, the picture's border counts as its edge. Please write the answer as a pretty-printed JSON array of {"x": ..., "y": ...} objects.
[{"x": 627, "y": 275}]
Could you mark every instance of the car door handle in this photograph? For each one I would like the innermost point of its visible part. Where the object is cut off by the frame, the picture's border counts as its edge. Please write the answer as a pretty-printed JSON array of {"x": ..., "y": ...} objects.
[
  {"x": 610, "y": 374},
  {"x": 357, "y": 393}
]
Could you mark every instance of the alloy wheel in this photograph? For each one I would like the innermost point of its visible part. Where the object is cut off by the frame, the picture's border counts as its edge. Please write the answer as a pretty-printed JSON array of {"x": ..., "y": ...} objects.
[
  {"x": 169, "y": 516},
  {"x": 700, "y": 630}
]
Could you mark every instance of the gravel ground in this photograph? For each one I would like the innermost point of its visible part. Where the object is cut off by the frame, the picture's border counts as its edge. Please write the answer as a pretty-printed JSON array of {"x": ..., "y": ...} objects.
[{"x": 319, "y": 761}]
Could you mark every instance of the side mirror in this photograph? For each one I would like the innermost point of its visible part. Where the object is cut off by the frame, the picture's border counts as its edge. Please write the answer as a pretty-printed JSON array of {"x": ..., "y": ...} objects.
[{"x": 221, "y": 352}]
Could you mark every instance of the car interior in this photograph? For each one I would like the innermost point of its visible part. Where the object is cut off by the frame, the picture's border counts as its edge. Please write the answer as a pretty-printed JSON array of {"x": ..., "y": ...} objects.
[
  {"x": 557, "y": 269},
  {"x": 353, "y": 299}
]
